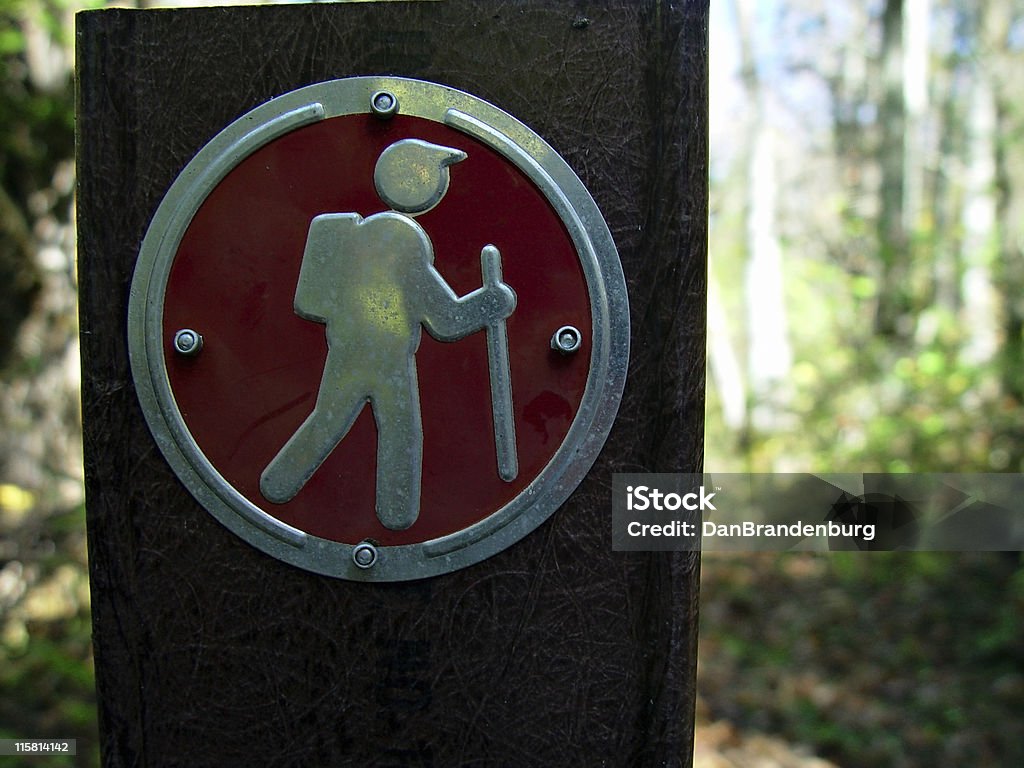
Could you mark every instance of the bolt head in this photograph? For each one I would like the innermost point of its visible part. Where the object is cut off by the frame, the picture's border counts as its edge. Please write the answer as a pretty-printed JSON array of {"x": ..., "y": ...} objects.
[
  {"x": 384, "y": 104},
  {"x": 188, "y": 342},
  {"x": 566, "y": 340},
  {"x": 364, "y": 555}
]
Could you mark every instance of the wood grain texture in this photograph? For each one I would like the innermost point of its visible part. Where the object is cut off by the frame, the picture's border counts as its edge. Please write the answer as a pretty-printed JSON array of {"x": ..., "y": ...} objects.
[{"x": 555, "y": 652}]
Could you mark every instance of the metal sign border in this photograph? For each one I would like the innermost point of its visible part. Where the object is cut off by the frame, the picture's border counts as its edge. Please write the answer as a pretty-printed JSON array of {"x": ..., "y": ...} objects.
[{"x": 595, "y": 248}]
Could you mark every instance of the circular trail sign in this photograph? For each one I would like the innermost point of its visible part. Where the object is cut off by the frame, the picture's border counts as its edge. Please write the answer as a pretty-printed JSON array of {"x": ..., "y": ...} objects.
[{"x": 379, "y": 329}]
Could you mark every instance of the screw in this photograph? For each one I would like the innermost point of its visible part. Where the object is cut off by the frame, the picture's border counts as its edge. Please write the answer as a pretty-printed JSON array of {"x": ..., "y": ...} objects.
[
  {"x": 364, "y": 555},
  {"x": 384, "y": 105},
  {"x": 188, "y": 342},
  {"x": 567, "y": 340}
]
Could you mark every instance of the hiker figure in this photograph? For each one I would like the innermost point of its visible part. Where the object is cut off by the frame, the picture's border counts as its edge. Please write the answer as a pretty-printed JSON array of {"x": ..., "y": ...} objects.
[{"x": 373, "y": 283}]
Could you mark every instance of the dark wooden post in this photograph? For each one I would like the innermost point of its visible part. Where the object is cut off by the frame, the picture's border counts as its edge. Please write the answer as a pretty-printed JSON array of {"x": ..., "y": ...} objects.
[{"x": 556, "y": 651}]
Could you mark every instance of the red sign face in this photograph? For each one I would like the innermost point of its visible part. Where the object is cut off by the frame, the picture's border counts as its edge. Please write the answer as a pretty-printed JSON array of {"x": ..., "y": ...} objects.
[
  {"x": 256, "y": 380},
  {"x": 360, "y": 371}
]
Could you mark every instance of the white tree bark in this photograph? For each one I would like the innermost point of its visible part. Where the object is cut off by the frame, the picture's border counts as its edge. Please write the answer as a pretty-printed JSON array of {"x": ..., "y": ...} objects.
[
  {"x": 726, "y": 371},
  {"x": 770, "y": 356},
  {"x": 979, "y": 222}
]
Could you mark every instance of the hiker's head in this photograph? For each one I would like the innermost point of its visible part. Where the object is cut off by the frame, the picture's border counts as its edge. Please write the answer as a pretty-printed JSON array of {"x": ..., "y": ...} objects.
[{"x": 412, "y": 175}]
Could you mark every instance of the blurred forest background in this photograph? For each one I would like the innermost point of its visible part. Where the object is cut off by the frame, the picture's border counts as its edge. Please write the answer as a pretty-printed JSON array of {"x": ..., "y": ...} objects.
[
  {"x": 866, "y": 301},
  {"x": 865, "y": 313}
]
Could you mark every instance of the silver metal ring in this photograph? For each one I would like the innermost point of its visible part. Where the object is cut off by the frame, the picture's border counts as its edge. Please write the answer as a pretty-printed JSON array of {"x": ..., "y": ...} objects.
[{"x": 609, "y": 345}]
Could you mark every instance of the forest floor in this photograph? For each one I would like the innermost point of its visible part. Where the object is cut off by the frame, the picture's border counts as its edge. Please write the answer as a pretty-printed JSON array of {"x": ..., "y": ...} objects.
[{"x": 861, "y": 659}]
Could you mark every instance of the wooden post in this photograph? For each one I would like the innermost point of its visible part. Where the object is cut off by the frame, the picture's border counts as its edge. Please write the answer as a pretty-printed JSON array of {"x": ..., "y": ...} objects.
[{"x": 554, "y": 652}]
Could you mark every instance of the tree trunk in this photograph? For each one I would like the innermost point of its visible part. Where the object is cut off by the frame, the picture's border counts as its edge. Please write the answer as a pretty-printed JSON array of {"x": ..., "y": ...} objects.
[
  {"x": 916, "y": 35},
  {"x": 979, "y": 221},
  {"x": 1009, "y": 193},
  {"x": 769, "y": 355},
  {"x": 724, "y": 362},
  {"x": 892, "y": 314}
]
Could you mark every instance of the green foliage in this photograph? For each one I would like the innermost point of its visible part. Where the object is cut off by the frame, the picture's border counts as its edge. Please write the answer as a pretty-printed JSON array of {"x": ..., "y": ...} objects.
[
  {"x": 46, "y": 671},
  {"x": 856, "y": 402},
  {"x": 36, "y": 132},
  {"x": 36, "y": 121}
]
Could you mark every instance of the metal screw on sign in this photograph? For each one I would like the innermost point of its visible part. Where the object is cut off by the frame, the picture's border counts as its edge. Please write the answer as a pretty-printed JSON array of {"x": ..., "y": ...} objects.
[
  {"x": 567, "y": 340},
  {"x": 188, "y": 342},
  {"x": 364, "y": 555},
  {"x": 384, "y": 105}
]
